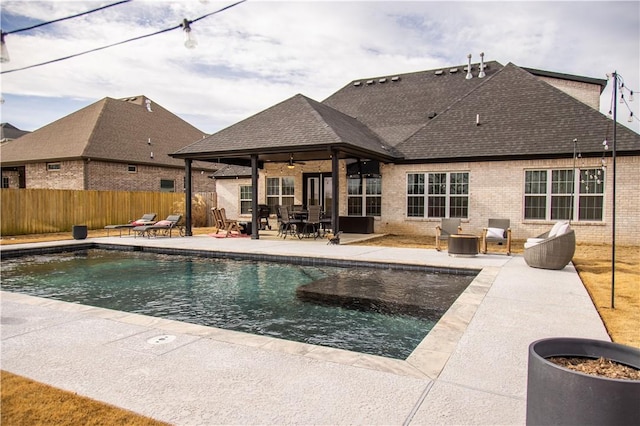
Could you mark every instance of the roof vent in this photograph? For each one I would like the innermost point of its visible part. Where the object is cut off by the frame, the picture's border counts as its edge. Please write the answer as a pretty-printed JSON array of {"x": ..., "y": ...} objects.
[
  {"x": 439, "y": 72},
  {"x": 357, "y": 83},
  {"x": 432, "y": 114},
  {"x": 370, "y": 82},
  {"x": 382, "y": 80},
  {"x": 453, "y": 70},
  {"x": 396, "y": 78}
]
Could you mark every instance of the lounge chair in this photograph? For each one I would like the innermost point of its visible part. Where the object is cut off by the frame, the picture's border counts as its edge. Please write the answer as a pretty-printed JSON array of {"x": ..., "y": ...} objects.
[
  {"x": 498, "y": 231},
  {"x": 446, "y": 228},
  {"x": 161, "y": 228},
  {"x": 147, "y": 219},
  {"x": 553, "y": 249}
]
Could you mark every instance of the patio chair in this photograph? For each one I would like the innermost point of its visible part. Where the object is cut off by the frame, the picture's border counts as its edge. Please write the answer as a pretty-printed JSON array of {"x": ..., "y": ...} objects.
[
  {"x": 311, "y": 223},
  {"x": 498, "y": 231},
  {"x": 290, "y": 225},
  {"x": 146, "y": 219},
  {"x": 446, "y": 228},
  {"x": 552, "y": 250},
  {"x": 160, "y": 228},
  {"x": 229, "y": 224},
  {"x": 217, "y": 219}
]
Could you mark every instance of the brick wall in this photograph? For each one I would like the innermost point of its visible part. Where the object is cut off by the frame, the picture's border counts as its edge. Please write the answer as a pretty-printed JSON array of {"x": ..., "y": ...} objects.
[
  {"x": 105, "y": 176},
  {"x": 496, "y": 191},
  {"x": 584, "y": 92}
]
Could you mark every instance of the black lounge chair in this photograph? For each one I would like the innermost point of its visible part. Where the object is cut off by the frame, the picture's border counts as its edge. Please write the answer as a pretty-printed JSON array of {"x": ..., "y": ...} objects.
[{"x": 147, "y": 219}]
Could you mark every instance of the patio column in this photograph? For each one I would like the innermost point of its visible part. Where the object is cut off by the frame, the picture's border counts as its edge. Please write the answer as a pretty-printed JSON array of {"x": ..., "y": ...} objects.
[
  {"x": 335, "y": 187},
  {"x": 254, "y": 197},
  {"x": 187, "y": 197}
]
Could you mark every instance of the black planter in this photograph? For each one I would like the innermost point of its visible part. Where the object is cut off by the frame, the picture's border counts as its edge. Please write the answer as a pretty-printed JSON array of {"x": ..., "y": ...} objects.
[
  {"x": 559, "y": 396},
  {"x": 79, "y": 232}
]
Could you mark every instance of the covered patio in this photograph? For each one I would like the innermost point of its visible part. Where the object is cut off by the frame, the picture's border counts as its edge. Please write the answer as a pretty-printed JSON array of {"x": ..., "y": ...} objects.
[{"x": 298, "y": 129}]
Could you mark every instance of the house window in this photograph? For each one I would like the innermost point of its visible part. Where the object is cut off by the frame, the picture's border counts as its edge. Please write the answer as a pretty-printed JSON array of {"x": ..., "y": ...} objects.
[
  {"x": 438, "y": 195},
  {"x": 245, "y": 199},
  {"x": 550, "y": 195},
  {"x": 280, "y": 192},
  {"x": 167, "y": 185},
  {"x": 5, "y": 181},
  {"x": 364, "y": 196},
  {"x": 53, "y": 167},
  {"x": 132, "y": 168}
]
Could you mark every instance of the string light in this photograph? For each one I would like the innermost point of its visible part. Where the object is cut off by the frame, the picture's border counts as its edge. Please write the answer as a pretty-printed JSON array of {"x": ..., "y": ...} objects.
[
  {"x": 181, "y": 25},
  {"x": 5, "y": 51}
]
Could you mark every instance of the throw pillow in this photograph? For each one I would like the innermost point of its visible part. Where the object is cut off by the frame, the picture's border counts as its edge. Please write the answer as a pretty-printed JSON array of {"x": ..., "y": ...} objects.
[{"x": 495, "y": 233}]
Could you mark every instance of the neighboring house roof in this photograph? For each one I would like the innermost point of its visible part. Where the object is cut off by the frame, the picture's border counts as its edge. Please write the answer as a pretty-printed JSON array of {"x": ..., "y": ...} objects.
[
  {"x": 297, "y": 125},
  {"x": 9, "y": 132},
  {"x": 232, "y": 172},
  {"x": 123, "y": 130}
]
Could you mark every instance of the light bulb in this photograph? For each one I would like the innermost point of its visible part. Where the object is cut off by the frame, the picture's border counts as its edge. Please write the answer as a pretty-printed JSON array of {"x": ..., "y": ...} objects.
[
  {"x": 190, "y": 41},
  {"x": 4, "y": 54},
  {"x": 621, "y": 98},
  {"x": 630, "y": 119},
  {"x": 631, "y": 96}
]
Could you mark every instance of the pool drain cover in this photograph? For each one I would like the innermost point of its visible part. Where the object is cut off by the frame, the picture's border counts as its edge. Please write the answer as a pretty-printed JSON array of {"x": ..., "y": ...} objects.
[{"x": 159, "y": 340}]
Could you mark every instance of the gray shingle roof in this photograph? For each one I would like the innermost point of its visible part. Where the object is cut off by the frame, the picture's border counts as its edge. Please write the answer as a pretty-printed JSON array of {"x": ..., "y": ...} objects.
[
  {"x": 520, "y": 116},
  {"x": 397, "y": 109},
  {"x": 296, "y": 125},
  {"x": 10, "y": 132},
  {"x": 111, "y": 130}
]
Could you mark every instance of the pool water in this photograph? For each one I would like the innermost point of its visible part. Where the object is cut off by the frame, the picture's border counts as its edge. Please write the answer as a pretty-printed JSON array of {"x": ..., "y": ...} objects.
[{"x": 248, "y": 296}]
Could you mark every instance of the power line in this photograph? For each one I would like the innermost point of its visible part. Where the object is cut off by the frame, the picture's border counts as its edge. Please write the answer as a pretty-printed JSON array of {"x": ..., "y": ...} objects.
[
  {"x": 181, "y": 25},
  {"x": 42, "y": 24}
]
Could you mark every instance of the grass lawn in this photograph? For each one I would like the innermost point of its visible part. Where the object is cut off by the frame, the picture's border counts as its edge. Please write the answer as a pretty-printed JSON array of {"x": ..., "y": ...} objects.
[{"x": 25, "y": 402}]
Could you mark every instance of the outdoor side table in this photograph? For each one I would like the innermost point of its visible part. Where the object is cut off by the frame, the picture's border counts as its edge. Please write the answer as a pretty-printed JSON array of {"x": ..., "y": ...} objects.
[{"x": 463, "y": 245}]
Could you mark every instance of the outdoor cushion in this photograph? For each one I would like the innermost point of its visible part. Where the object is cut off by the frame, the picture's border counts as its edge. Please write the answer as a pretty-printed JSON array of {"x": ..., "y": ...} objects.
[
  {"x": 164, "y": 223},
  {"x": 557, "y": 226},
  {"x": 141, "y": 222},
  {"x": 533, "y": 241},
  {"x": 495, "y": 233}
]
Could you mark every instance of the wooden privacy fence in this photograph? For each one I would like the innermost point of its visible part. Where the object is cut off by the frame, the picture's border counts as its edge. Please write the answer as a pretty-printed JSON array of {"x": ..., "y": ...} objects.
[{"x": 36, "y": 211}]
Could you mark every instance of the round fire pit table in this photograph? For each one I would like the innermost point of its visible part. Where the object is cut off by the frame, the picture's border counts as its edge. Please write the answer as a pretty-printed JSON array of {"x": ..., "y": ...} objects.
[{"x": 463, "y": 245}]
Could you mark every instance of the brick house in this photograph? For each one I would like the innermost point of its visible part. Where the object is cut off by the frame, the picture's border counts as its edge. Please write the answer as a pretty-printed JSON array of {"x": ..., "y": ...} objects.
[
  {"x": 113, "y": 144},
  {"x": 410, "y": 149}
]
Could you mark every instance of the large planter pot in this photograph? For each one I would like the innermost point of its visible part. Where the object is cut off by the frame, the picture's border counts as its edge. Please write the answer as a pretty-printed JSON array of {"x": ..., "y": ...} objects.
[
  {"x": 79, "y": 232},
  {"x": 559, "y": 396}
]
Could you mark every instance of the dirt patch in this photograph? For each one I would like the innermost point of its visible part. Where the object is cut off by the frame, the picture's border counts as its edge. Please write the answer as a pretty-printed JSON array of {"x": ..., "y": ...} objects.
[{"x": 597, "y": 367}]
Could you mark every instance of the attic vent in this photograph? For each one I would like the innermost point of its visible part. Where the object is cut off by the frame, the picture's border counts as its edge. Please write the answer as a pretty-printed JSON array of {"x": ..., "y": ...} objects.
[
  {"x": 396, "y": 78},
  {"x": 453, "y": 70},
  {"x": 382, "y": 80},
  {"x": 432, "y": 114},
  {"x": 439, "y": 72},
  {"x": 370, "y": 82},
  {"x": 357, "y": 84},
  {"x": 467, "y": 68}
]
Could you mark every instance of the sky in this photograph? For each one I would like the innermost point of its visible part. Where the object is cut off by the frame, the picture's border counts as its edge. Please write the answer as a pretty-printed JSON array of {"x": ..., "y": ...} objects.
[{"x": 260, "y": 52}]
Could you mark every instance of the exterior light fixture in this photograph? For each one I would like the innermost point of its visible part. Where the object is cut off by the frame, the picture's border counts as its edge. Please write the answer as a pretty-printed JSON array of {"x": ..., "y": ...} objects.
[
  {"x": 4, "y": 55},
  {"x": 189, "y": 39}
]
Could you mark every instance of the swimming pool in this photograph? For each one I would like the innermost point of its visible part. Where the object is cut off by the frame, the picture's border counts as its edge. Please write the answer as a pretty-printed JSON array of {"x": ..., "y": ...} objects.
[{"x": 250, "y": 296}]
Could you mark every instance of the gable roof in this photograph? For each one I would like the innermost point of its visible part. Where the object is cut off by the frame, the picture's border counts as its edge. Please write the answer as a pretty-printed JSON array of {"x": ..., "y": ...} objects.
[
  {"x": 297, "y": 125},
  {"x": 519, "y": 116},
  {"x": 110, "y": 130}
]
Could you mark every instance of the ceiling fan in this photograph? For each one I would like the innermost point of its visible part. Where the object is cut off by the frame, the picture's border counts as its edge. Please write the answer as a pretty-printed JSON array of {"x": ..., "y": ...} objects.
[{"x": 292, "y": 162}]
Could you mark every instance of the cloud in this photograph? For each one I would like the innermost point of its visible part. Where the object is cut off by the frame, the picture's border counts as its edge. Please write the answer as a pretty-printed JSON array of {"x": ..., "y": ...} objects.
[{"x": 259, "y": 53}]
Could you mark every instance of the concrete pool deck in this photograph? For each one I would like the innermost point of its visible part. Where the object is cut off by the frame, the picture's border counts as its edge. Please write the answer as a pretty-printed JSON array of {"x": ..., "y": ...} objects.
[{"x": 471, "y": 368}]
